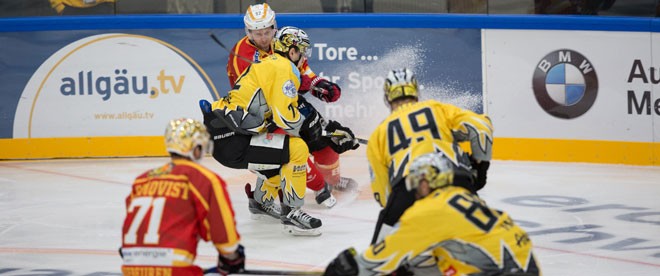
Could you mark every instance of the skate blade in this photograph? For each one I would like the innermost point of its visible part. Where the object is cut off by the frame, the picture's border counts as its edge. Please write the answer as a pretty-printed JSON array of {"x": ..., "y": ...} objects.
[
  {"x": 295, "y": 231},
  {"x": 330, "y": 202},
  {"x": 263, "y": 217}
]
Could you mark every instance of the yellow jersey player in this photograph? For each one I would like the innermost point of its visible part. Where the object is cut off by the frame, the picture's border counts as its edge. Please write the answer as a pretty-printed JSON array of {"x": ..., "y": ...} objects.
[
  {"x": 265, "y": 97},
  {"x": 465, "y": 235},
  {"x": 410, "y": 121},
  {"x": 323, "y": 171}
]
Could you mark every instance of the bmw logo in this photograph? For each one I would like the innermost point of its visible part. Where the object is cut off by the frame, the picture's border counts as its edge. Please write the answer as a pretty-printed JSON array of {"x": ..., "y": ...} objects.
[{"x": 565, "y": 84}]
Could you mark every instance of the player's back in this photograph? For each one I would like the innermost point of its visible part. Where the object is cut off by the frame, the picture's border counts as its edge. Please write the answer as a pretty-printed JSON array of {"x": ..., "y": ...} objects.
[
  {"x": 412, "y": 130},
  {"x": 165, "y": 215},
  {"x": 265, "y": 77},
  {"x": 470, "y": 236},
  {"x": 417, "y": 121},
  {"x": 264, "y": 89}
]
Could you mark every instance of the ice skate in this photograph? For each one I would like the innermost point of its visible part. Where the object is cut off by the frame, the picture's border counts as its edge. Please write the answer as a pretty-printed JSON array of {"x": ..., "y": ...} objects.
[
  {"x": 298, "y": 223},
  {"x": 324, "y": 197},
  {"x": 261, "y": 211},
  {"x": 346, "y": 184}
]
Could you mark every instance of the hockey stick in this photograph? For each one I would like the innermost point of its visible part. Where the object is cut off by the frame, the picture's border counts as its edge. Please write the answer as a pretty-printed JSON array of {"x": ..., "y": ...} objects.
[
  {"x": 214, "y": 269},
  {"x": 217, "y": 40},
  {"x": 360, "y": 140}
]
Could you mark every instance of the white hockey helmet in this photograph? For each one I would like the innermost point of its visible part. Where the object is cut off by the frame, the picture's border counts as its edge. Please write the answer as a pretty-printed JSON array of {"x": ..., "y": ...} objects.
[
  {"x": 183, "y": 135},
  {"x": 259, "y": 16},
  {"x": 400, "y": 83}
]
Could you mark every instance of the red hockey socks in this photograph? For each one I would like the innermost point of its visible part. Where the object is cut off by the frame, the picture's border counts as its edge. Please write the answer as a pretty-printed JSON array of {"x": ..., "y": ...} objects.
[
  {"x": 315, "y": 180},
  {"x": 327, "y": 162}
]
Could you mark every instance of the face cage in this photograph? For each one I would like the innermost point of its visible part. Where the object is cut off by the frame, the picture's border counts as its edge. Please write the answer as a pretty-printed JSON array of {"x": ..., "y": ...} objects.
[{"x": 305, "y": 51}]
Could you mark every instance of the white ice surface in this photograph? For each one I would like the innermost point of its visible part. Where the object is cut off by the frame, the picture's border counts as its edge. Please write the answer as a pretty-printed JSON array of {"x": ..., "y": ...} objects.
[{"x": 64, "y": 217}]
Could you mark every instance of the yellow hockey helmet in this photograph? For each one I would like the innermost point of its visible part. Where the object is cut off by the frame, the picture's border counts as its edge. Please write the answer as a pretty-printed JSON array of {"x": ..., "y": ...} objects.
[
  {"x": 183, "y": 135},
  {"x": 259, "y": 16},
  {"x": 435, "y": 168},
  {"x": 447, "y": 165},
  {"x": 400, "y": 83},
  {"x": 289, "y": 37}
]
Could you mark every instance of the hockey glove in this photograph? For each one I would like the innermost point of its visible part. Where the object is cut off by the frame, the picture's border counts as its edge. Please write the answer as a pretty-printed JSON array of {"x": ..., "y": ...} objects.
[
  {"x": 214, "y": 124},
  {"x": 344, "y": 265},
  {"x": 479, "y": 170},
  {"x": 211, "y": 122},
  {"x": 325, "y": 90},
  {"x": 235, "y": 265},
  {"x": 342, "y": 138},
  {"x": 205, "y": 106},
  {"x": 311, "y": 130}
]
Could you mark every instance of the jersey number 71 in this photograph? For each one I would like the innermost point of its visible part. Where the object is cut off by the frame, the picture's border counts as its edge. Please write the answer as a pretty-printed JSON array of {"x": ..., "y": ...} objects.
[{"x": 144, "y": 204}]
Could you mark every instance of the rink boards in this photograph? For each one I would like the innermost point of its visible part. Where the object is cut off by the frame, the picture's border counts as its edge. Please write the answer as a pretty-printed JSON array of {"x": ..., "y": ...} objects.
[{"x": 574, "y": 89}]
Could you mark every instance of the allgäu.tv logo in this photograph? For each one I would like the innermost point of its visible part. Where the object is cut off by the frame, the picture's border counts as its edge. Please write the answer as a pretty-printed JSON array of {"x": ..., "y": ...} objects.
[{"x": 565, "y": 84}]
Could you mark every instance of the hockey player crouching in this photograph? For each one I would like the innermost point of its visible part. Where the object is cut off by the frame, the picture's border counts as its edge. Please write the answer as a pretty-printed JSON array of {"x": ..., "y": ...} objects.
[
  {"x": 264, "y": 98},
  {"x": 323, "y": 171},
  {"x": 390, "y": 145},
  {"x": 443, "y": 221}
]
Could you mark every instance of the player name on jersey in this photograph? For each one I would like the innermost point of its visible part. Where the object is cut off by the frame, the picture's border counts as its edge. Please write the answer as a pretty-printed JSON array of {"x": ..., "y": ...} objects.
[{"x": 167, "y": 188}]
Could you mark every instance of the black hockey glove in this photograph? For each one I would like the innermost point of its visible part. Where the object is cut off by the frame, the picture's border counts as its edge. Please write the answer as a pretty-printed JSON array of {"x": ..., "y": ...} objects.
[
  {"x": 479, "y": 171},
  {"x": 214, "y": 124},
  {"x": 312, "y": 129},
  {"x": 308, "y": 110},
  {"x": 342, "y": 138},
  {"x": 211, "y": 122},
  {"x": 325, "y": 90},
  {"x": 236, "y": 265},
  {"x": 344, "y": 265}
]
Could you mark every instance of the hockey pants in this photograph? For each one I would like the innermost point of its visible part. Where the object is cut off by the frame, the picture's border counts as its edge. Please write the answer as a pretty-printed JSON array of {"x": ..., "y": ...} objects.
[{"x": 278, "y": 157}]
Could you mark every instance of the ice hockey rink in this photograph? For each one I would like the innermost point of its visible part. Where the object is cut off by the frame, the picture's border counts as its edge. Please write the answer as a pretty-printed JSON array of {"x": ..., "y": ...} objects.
[{"x": 64, "y": 217}]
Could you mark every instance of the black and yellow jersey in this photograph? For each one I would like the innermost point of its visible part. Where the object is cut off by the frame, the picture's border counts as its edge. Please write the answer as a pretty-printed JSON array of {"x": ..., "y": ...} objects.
[
  {"x": 265, "y": 93},
  {"x": 462, "y": 232},
  {"x": 389, "y": 150}
]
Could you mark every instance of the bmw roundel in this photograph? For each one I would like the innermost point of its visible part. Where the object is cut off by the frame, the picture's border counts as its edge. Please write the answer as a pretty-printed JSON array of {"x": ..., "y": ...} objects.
[{"x": 565, "y": 84}]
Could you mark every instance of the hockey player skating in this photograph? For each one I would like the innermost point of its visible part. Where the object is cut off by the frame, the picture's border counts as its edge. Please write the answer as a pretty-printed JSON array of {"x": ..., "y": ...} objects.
[
  {"x": 171, "y": 207},
  {"x": 323, "y": 171},
  {"x": 465, "y": 236},
  {"x": 389, "y": 150},
  {"x": 265, "y": 98}
]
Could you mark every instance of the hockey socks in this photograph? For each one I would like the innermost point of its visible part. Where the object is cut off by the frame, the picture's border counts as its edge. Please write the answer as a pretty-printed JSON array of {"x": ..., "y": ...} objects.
[{"x": 327, "y": 162}]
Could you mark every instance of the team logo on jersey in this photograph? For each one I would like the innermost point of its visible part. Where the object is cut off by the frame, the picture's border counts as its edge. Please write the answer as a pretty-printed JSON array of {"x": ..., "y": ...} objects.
[
  {"x": 565, "y": 84},
  {"x": 289, "y": 89}
]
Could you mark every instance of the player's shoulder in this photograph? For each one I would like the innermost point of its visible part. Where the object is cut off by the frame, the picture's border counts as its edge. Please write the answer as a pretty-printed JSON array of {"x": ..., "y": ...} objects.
[
  {"x": 193, "y": 169},
  {"x": 380, "y": 130},
  {"x": 142, "y": 177},
  {"x": 429, "y": 103},
  {"x": 423, "y": 210},
  {"x": 282, "y": 65},
  {"x": 439, "y": 198},
  {"x": 244, "y": 44}
]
